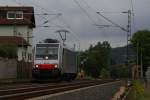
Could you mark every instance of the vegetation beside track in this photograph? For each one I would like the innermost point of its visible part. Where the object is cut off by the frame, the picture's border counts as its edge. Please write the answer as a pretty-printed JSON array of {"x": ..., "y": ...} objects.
[{"x": 138, "y": 91}]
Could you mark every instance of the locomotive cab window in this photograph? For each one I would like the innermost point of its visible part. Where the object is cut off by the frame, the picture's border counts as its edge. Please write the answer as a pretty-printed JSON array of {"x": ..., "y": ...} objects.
[{"x": 50, "y": 52}]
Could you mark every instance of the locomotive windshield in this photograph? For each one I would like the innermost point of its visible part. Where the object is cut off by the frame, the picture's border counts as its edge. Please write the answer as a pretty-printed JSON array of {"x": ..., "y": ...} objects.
[{"x": 49, "y": 53}]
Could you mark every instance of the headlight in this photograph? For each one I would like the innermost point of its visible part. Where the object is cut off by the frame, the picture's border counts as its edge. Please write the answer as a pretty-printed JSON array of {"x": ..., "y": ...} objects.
[
  {"x": 46, "y": 57},
  {"x": 56, "y": 66},
  {"x": 36, "y": 66}
]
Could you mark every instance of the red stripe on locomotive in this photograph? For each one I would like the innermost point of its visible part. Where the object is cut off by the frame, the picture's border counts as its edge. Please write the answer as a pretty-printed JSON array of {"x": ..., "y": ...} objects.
[{"x": 46, "y": 66}]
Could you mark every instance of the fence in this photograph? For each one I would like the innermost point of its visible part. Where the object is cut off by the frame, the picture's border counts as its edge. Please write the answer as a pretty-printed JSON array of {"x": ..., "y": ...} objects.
[{"x": 24, "y": 70}]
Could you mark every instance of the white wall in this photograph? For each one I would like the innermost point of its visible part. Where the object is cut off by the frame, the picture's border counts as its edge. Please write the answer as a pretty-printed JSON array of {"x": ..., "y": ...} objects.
[
  {"x": 11, "y": 30},
  {"x": 26, "y": 33},
  {"x": 6, "y": 30},
  {"x": 22, "y": 31}
]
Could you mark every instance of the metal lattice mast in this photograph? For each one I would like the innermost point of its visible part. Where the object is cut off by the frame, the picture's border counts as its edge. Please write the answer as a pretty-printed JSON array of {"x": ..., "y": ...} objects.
[{"x": 128, "y": 35}]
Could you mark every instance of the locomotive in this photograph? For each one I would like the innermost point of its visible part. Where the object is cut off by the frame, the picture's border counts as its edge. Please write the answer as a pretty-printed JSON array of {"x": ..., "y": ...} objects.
[{"x": 54, "y": 60}]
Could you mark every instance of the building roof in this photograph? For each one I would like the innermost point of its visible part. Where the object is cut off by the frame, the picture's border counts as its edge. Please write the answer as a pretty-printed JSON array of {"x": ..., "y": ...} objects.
[
  {"x": 28, "y": 16},
  {"x": 13, "y": 40}
]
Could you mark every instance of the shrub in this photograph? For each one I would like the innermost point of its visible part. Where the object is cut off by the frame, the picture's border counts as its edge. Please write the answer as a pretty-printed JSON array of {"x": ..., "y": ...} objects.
[
  {"x": 105, "y": 74},
  {"x": 138, "y": 88},
  {"x": 8, "y": 51}
]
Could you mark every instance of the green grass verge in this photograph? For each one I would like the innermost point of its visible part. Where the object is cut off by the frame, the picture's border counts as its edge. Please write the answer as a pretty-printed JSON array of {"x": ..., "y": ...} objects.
[
  {"x": 146, "y": 95},
  {"x": 139, "y": 92}
]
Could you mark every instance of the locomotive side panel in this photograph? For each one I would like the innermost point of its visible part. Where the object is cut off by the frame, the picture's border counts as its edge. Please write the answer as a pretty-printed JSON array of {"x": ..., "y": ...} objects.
[{"x": 69, "y": 61}]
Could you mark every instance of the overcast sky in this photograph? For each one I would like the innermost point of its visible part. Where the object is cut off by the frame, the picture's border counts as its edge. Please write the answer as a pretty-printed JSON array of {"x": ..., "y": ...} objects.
[{"x": 80, "y": 17}]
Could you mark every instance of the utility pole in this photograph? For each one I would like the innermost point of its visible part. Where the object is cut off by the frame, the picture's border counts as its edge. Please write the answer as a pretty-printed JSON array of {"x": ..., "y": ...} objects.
[
  {"x": 127, "y": 29},
  {"x": 141, "y": 64},
  {"x": 137, "y": 59},
  {"x": 128, "y": 34}
]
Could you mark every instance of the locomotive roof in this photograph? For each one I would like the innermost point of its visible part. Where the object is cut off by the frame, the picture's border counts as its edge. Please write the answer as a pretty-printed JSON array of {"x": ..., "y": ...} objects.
[
  {"x": 54, "y": 44},
  {"x": 48, "y": 40}
]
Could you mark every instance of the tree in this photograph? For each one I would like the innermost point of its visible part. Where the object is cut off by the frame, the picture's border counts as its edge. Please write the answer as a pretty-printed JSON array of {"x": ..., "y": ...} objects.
[
  {"x": 105, "y": 74},
  {"x": 141, "y": 43},
  {"x": 98, "y": 58},
  {"x": 120, "y": 71}
]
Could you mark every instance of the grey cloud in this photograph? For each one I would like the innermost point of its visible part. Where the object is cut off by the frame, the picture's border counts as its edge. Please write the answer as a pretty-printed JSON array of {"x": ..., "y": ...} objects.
[{"x": 81, "y": 26}]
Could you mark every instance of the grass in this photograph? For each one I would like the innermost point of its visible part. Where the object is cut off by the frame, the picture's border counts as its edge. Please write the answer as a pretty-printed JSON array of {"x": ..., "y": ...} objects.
[
  {"x": 139, "y": 92},
  {"x": 146, "y": 95}
]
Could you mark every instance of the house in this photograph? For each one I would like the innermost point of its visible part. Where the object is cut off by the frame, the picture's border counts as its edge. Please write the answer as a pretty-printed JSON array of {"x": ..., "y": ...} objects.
[{"x": 16, "y": 27}]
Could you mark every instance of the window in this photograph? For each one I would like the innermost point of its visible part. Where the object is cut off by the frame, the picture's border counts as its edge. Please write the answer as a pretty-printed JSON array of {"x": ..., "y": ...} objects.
[
  {"x": 50, "y": 52},
  {"x": 2, "y": 14},
  {"x": 10, "y": 15},
  {"x": 14, "y": 15},
  {"x": 19, "y": 15}
]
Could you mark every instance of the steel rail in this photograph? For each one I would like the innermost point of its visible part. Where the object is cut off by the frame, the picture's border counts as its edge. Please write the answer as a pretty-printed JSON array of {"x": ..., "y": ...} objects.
[
  {"x": 31, "y": 84},
  {"x": 35, "y": 92},
  {"x": 35, "y": 88}
]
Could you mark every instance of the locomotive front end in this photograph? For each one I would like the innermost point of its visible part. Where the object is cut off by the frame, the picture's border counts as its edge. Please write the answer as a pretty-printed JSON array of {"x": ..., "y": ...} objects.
[{"x": 46, "y": 61}]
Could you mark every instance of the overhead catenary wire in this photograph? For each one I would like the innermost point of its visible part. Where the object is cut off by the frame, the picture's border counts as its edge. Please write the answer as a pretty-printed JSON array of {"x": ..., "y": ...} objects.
[
  {"x": 44, "y": 14},
  {"x": 19, "y": 3},
  {"x": 95, "y": 23},
  {"x": 90, "y": 8},
  {"x": 54, "y": 14},
  {"x": 57, "y": 25},
  {"x": 101, "y": 14},
  {"x": 117, "y": 25},
  {"x": 42, "y": 8},
  {"x": 76, "y": 36},
  {"x": 86, "y": 13},
  {"x": 104, "y": 26}
]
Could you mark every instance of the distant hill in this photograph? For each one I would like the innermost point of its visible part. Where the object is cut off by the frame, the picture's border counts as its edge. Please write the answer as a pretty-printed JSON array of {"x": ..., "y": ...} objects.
[{"x": 119, "y": 55}]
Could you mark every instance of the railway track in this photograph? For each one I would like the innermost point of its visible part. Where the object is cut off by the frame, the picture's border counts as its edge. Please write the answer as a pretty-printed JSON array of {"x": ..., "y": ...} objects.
[{"x": 30, "y": 91}]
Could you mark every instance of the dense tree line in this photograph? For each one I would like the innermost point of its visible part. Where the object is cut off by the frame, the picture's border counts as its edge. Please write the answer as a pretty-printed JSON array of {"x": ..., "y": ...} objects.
[
  {"x": 120, "y": 71},
  {"x": 141, "y": 44},
  {"x": 96, "y": 58},
  {"x": 97, "y": 62}
]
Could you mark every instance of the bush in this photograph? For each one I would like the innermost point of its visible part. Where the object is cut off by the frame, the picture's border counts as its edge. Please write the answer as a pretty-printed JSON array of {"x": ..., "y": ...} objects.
[
  {"x": 8, "y": 51},
  {"x": 105, "y": 74},
  {"x": 138, "y": 88}
]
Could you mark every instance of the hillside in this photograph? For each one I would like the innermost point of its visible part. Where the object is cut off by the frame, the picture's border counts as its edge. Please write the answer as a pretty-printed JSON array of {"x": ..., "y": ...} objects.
[{"x": 119, "y": 55}]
